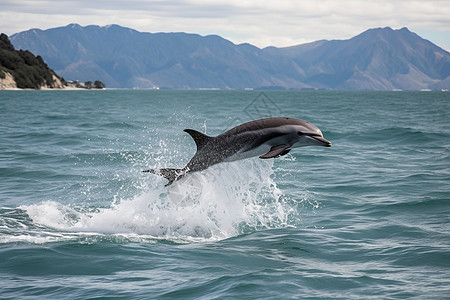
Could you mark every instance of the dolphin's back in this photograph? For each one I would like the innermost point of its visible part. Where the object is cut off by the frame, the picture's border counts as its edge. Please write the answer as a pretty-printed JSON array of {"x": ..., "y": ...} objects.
[
  {"x": 252, "y": 134},
  {"x": 264, "y": 124}
]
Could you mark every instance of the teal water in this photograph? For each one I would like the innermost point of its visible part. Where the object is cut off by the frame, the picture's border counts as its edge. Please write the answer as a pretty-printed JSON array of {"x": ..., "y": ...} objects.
[{"x": 367, "y": 218}]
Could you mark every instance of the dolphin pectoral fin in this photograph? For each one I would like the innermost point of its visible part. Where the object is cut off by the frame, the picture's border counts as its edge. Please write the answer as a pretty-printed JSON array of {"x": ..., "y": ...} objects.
[{"x": 276, "y": 151}]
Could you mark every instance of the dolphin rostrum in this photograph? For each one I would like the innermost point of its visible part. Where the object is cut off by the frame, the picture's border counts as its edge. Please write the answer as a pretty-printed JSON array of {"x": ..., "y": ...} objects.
[{"x": 266, "y": 138}]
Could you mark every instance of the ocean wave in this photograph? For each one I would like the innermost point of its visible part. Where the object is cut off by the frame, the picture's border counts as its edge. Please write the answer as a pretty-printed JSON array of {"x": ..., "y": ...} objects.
[
  {"x": 221, "y": 202},
  {"x": 118, "y": 125},
  {"x": 398, "y": 135}
]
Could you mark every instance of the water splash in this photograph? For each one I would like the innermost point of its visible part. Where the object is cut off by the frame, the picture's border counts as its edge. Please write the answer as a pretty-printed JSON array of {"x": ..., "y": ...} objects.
[{"x": 223, "y": 201}]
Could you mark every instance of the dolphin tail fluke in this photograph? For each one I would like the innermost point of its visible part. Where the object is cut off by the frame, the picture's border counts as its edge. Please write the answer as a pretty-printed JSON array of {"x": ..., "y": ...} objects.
[{"x": 170, "y": 174}]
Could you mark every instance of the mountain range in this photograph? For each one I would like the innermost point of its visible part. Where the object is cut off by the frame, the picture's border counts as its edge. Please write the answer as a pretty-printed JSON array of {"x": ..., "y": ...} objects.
[{"x": 377, "y": 59}]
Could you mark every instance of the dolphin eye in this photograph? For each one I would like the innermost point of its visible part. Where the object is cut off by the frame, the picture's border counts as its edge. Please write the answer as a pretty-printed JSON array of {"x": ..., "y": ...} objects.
[{"x": 300, "y": 133}]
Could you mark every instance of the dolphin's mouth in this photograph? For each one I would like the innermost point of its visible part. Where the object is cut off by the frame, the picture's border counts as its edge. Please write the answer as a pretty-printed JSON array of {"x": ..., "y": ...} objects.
[{"x": 326, "y": 143}]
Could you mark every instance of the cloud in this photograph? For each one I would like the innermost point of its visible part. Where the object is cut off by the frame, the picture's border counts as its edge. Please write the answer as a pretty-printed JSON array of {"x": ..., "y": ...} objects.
[{"x": 262, "y": 23}]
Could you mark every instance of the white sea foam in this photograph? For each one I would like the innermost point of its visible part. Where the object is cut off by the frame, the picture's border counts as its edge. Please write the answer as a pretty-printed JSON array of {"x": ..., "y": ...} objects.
[{"x": 223, "y": 201}]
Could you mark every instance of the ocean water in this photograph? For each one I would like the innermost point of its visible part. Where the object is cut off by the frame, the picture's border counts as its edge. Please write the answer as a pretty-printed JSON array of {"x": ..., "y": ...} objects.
[{"x": 368, "y": 218}]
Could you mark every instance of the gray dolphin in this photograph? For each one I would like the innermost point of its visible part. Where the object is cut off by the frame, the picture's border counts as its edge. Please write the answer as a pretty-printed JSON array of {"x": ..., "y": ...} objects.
[{"x": 266, "y": 138}]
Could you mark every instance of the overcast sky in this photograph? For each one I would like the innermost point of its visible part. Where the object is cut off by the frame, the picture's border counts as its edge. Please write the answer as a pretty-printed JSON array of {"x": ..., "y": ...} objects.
[{"x": 261, "y": 23}]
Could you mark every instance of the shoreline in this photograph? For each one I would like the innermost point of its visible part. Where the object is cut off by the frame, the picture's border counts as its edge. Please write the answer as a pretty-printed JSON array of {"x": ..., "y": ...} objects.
[{"x": 53, "y": 89}]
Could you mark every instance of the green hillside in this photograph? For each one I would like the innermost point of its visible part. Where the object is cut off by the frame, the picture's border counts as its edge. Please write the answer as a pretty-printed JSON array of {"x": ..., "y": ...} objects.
[{"x": 29, "y": 71}]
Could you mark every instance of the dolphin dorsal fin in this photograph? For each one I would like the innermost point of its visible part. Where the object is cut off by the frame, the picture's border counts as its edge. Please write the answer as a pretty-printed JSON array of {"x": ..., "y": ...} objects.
[{"x": 200, "y": 138}]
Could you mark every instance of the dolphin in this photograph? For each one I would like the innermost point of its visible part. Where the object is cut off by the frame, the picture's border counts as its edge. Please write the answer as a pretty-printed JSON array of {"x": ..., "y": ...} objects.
[{"x": 266, "y": 138}]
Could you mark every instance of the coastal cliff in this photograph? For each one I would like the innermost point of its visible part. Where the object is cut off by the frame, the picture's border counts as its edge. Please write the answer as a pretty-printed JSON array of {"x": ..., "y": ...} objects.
[{"x": 23, "y": 70}]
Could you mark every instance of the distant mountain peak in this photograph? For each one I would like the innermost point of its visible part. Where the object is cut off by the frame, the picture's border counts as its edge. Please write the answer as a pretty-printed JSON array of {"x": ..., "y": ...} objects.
[
  {"x": 377, "y": 59},
  {"x": 387, "y": 30},
  {"x": 110, "y": 26},
  {"x": 74, "y": 26}
]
